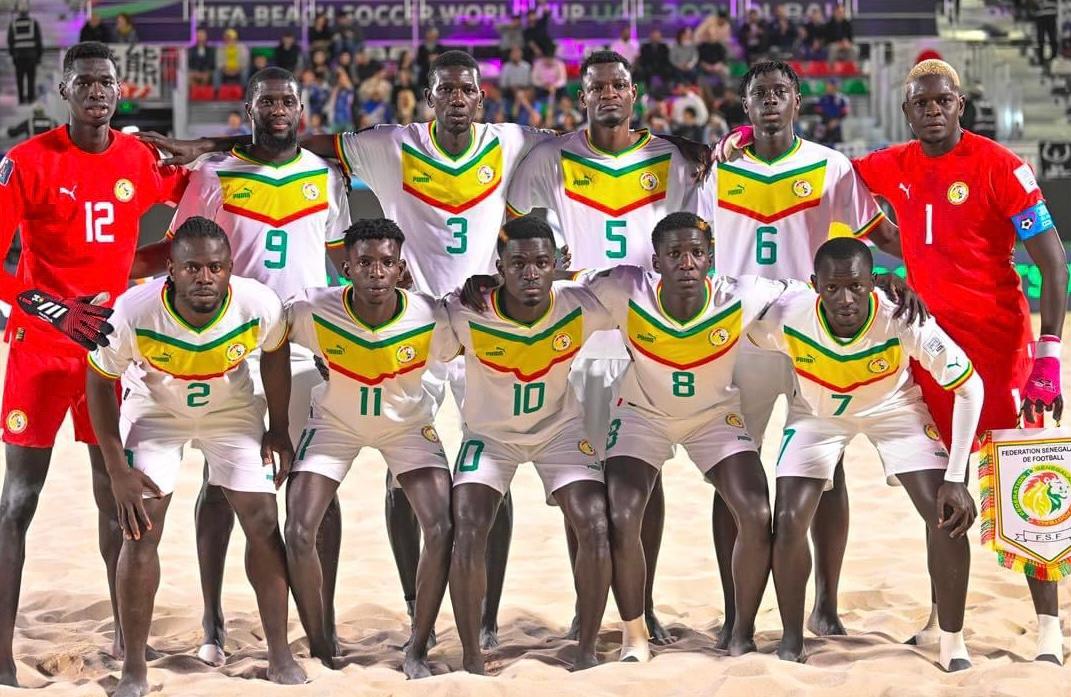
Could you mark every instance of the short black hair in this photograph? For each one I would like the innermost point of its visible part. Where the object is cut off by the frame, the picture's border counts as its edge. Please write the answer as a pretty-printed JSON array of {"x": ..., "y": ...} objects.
[
  {"x": 455, "y": 58},
  {"x": 844, "y": 249},
  {"x": 373, "y": 229},
  {"x": 681, "y": 220},
  {"x": 199, "y": 228},
  {"x": 763, "y": 67},
  {"x": 527, "y": 227},
  {"x": 273, "y": 72},
  {"x": 602, "y": 58},
  {"x": 84, "y": 50}
]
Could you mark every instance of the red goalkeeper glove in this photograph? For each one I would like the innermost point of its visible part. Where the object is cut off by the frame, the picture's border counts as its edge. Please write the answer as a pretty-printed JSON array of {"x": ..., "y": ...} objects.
[{"x": 84, "y": 322}]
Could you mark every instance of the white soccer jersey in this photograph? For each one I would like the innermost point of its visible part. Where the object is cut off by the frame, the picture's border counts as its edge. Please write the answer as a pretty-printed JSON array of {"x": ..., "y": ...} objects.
[
  {"x": 186, "y": 370},
  {"x": 375, "y": 371},
  {"x": 680, "y": 369},
  {"x": 771, "y": 217},
  {"x": 517, "y": 375},
  {"x": 450, "y": 208},
  {"x": 607, "y": 203},
  {"x": 279, "y": 218},
  {"x": 865, "y": 374}
]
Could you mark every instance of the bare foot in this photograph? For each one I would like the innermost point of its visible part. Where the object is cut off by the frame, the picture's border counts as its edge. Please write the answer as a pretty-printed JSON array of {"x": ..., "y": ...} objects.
[
  {"x": 659, "y": 634},
  {"x": 332, "y": 640},
  {"x": 574, "y": 629},
  {"x": 791, "y": 649},
  {"x": 488, "y": 638},
  {"x": 131, "y": 686},
  {"x": 474, "y": 664},
  {"x": 738, "y": 647},
  {"x": 585, "y": 661},
  {"x": 325, "y": 655},
  {"x": 416, "y": 667},
  {"x": 432, "y": 639},
  {"x": 725, "y": 635},
  {"x": 288, "y": 673},
  {"x": 825, "y": 624}
]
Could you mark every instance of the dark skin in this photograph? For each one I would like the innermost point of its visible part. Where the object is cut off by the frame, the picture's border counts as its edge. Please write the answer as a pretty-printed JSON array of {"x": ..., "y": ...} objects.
[
  {"x": 200, "y": 270},
  {"x": 274, "y": 110},
  {"x": 933, "y": 106},
  {"x": 527, "y": 267},
  {"x": 91, "y": 90},
  {"x": 844, "y": 286},
  {"x": 374, "y": 267},
  {"x": 683, "y": 258}
]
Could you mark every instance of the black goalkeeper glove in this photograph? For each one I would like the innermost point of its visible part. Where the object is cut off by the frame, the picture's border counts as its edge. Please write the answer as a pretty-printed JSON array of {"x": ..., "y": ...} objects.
[{"x": 80, "y": 319}]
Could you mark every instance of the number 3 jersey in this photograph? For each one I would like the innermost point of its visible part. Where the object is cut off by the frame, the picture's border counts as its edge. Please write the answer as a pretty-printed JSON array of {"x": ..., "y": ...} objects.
[
  {"x": 863, "y": 375},
  {"x": 679, "y": 369},
  {"x": 450, "y": 208},
  {"x": 517, "y": 375},
  {"x": 183, "y": 369},
  {"x": 375, "y": 371},
  {"x": 279, "y": 218}
]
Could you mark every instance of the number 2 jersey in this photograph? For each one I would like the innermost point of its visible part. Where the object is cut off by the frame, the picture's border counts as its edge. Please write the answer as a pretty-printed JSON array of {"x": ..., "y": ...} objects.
[
  {"x": 375, "y": 371},
  {"x": 450, "y": 208},
  {"x": 517, "y": 375},
  {"x": 279, "y": 218},
  {"x": 183, "y": 369},
  {"x": 79, "y": 214},
  {"x": 680, "y": 369}
]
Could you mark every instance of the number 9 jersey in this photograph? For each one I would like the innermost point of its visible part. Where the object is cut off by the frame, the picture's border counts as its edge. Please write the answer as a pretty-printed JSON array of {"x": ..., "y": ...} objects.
[{"x": 280, "y": 218}]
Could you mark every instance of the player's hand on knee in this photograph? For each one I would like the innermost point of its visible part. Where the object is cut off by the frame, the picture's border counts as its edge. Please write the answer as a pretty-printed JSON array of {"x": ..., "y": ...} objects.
[
  {"x": 909, "y": 305},
  {"x": 472, "y": 292},
  {"x": 129, "y": 490},
  {"x": 277, "y": 442},
  {"x": 84, "y": 320},
  {"x": 955, "y": 509},
  {"x": 182, "y": 152}
]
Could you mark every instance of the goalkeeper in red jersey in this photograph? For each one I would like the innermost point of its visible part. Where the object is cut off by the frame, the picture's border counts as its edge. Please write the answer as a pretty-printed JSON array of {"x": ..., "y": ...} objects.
[{"x": 77, "y": 193}]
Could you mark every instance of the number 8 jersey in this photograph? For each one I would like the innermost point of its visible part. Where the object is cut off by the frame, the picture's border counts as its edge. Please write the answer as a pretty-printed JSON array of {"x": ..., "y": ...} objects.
[{"x": 279, "y": 218}]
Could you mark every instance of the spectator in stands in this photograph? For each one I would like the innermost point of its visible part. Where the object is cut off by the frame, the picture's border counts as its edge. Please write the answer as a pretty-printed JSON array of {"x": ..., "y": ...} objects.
[
  {"x": 516, "y": 73},
  {"x": 653, "y": 63},
  {"x": 320, "y": 66},
  {"x": 510, "y": 36},
  {"x": 201, "y": 60},
  {"x": 287, "y": 53},
  {"x": 405, "y": 107},
  {"x": 344, "y": 61},
  {"x": 548, "y": 75},
  {"x": 626, "y": 45},
  {"x": 689, "y": 126},
  {"x": 427, "y": 52},
  {"x": 347, "y": 36},
  {"x": 320, "y": 34},
  {"x": 403, "y": 82},
  {"x": 340, "y": 105},
  {"x": 232, "y": 58},
  {"x": 656, "y": 119},
  {"x": 375, "y": 102},
  {"x": 24, "y": 44},
  {"x": 684, "y": 56},
  {"x": 96, "y": 30},
  {"x": 813, "y": 35},
  {"x": 732, "y": 109},
  {"x": 838, "y": 35},
  {"x": 316, "y": 124},
  {"x": 565, "y": 111},
  {"x": 537, "y": 33},
  {"x": 406, "y": 64},
  {"x": 684, "y": 97},
  {"x": 713, "y": 66},
  {"x": 125, "y": 33},
  {"x": 832, "y": 106},
  {"x": 493, "y": 106},
  {"x": 314, "y": 92},
  {"x": 783, "y": 33},
  {"x": 364, "y": 66},
  {"x": 236, "y": 125},
  {"x": 1045, "y": 14},
  {"x": 979, "y": 115},
  {"x": 527, "y": 108},
  {"x": 715, "y": 28},
  {"x": 377, "y": 87},
  {"x": 752, "y": 36},
  {"x": 259, "y": 62},
  {"x": 716, "y": 128}
]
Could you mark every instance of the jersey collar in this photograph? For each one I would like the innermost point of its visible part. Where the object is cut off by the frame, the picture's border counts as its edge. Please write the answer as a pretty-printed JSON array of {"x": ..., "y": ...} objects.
[
  {"x": 496, "y": 307},
  {"x": 797, "y": 143},
  {"x": 170, "y": 309},
  {"x": 442, "y": 151},
  {"x": 239, "y": 152},
  {"x": 872, "y": 309},
  {"x": 347, "y": 304},
  {"x": 702, "y": 310},
  {"x": 645, "y": 138}
]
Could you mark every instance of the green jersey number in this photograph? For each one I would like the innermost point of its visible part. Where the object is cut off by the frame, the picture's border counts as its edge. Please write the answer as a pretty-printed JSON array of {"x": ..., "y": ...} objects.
[
  {"x": 373, "y": 406},
  {"x": 765, "y": 248},
  {"x": 683, "y": 384},
  {"x": 786, "y": 437},
  {"x": 528, "y": 399},
  {"x": 618, "y": 238},
  {"x": 197, "y": 394},
  {"x": 611, "y": 437},
  {"x": 460, "y": 228},
  {"x": 844, "y": 400},
  {"x": 468, "y": 460},
  {"x": 275, "y": 242}
]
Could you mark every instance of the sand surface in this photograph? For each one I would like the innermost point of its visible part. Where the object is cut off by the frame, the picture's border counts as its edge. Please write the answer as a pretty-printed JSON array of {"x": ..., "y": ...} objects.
[{"x": 64, "y": 622}]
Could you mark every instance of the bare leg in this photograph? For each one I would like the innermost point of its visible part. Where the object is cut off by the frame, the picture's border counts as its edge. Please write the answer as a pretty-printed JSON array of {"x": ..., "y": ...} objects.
[
  {"x": 741, "y": 481},
  {"x": 265, "y": 565},
  {"x": 829, "y": 533},
  {"x": 328, "y": 547},
  {"x": 109, "y": 536},
  {"x": 213, "y": 520},
  {"x": 23, "y": 481},
  {"x": 573, "y": 633},
  {"x": 797, "y": 500},
  {"x": 137, "y": 579},
  {"x": 498, "y": 543},
  {"x": 428, "y": 491},
  {"x": 584, "y": 506},
  {"x": 307, "y": 497},
  {"x": 654, "y": 520},
  {"x": 403, "y": 534},
  {"x": 474, "y": 507},
  {"x": 724, "y": 543}
]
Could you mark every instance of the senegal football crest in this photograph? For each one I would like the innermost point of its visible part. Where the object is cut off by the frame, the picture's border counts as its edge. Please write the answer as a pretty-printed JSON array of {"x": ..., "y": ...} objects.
[
  {"x": 16, "y": 421},
  {"x": 1041, "y": 495},
  {"x": 124, "y": 190},
  {"x": 957, "y": 193},
  {"x": 802, "y": 188},
  {"x": 734, "y": 420},
  {"x": 931, "y": 432},
  {"x": 878, "y": 366},
  {"x": 430, "y": 434},
  {"x": 235, "y": 352},
  {"x": 719, "y": 336},
  {"x": 406, "y": 353},
  {"x": 585, "y": 447},
  {"x": 561, "y": 342}
]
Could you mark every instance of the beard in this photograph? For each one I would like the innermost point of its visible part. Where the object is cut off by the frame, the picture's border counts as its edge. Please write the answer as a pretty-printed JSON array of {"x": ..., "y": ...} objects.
[{"x": 263, "y": 135}]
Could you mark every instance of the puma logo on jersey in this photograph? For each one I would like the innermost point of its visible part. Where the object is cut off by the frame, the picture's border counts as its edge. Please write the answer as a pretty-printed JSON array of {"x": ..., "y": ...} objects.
[
  {"x": 421, "y": 179},
  {"x": 736, "y": 190},
  {"x": 244, "y": 193},
  {"x": 586, "y": 181},
  {"x": 336, "y": 350},
  {"x": 498, "y": 351},
  {"x": 906, "y": 189},
  {"x": 68, "y": 192},
  {"x": 805, "y": 359},
  {"x": 954, "y": 364}
]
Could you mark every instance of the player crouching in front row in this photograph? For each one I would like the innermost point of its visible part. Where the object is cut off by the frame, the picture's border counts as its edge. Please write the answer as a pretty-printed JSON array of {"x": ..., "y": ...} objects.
[
  {"x": 851, "y": 357},
  {"x": 190, "y": 334}
]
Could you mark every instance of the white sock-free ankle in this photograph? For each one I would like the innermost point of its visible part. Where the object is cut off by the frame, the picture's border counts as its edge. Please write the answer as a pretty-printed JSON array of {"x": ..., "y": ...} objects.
[{"x": 634, "y": 644}]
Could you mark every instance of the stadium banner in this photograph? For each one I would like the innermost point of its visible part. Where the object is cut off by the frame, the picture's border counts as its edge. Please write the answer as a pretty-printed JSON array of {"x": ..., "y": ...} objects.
[
  {"x": 140, "y": 68},
  {"x": 255, "y": 22},
  {"x": 157, "y": 21},
  {"x": 1054, "y": 158},
  {"x": 1024, "y": 476}
]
